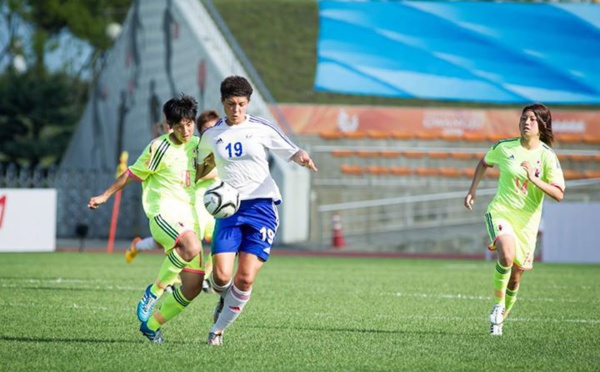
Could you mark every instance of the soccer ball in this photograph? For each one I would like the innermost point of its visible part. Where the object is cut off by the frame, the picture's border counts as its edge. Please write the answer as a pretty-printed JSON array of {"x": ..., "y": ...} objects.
[{"x": 221, "y": 200}]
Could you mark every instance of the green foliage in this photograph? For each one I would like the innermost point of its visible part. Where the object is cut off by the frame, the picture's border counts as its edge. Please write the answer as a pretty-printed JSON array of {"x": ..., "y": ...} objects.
[
  {"x": 38, "y": 116},
  {"x": 76, "y": 312},
  {"x": 86, "y": 20}
]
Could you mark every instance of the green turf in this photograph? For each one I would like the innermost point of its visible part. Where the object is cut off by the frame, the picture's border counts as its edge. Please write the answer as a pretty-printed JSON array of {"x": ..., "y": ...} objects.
[{"x": 75, "y": 312}]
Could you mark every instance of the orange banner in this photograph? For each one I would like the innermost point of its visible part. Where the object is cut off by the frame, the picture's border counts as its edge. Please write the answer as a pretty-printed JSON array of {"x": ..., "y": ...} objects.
[{"x": 315, "y": 119}]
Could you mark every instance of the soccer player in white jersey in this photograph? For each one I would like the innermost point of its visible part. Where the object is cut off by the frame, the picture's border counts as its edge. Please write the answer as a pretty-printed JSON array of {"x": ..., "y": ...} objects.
[
  {"x": 529, "y": 169},
  {"x": 167, "y": 170},
  {"x": 240, "y": 144}
]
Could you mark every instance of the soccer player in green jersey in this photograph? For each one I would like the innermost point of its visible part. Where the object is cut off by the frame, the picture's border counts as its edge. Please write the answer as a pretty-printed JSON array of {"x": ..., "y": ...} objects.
[
  {"x": 167, "y": 170},
  {"x": 206, "y": 221},
  {"x": 529, "y": 169}
]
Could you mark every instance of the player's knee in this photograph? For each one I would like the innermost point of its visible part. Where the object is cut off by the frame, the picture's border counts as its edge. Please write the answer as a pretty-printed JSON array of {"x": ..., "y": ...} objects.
[
  {"x": 189, "y": 248},
  {"x": 244, "y": 281}
]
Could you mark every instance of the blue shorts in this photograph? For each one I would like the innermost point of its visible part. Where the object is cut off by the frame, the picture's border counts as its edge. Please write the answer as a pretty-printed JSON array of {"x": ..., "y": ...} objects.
[{"x": 251, "y": 229}]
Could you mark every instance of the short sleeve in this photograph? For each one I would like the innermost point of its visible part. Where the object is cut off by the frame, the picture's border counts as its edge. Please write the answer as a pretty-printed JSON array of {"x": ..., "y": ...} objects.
[
  {"x": 280, "y": 144},
  {"x": 148, "y": 162},
  {"x": 553, "y": 173},
  {"x": 493, "y": 155}
]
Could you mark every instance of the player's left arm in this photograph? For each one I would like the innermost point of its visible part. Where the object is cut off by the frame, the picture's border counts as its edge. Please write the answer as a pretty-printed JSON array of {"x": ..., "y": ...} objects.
[{"x": 554, "y": 191}]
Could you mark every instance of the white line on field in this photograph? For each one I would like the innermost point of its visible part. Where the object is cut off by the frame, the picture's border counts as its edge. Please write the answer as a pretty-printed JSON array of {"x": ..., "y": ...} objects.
[{"x": 470, "y": 297}]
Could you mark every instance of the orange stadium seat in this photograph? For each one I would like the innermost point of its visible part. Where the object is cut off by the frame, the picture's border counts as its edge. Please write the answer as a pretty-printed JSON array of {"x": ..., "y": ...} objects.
[
  {"x": 367, "y": 153},
  {"x": 452, "y": 137},
  {"x": 377, "y": 170},
  {"x": 437, "y": 155},
  {"x": 413, "y": 154},
  {"x": 351, "y": 169},
  {"x": 378, "y": 134},
  {"x": 390, "y": 154},
  {"x": 474, "y": 137},
  {"x": 467, "y": 172},
  {"x": 354, "y": 135},
  {"x": 400, "y": 171},
  {"x": 426, "y": 172},
  {"x": 591, "y": 173},
  {"x": 581, "y": 158},
  {"x": 449, "y": 172},
  {"x": 571, "y": 174},
  {"x": 592, "y": 139},
  {"x": 331, "y": 135},
  {"x": 569, "y": 138},
  {"x": 461, "y": 155},
  {"x": 427, "y": 136},
  {"x": 401, "y": 135},
  {"x": 343, "y": 153}
]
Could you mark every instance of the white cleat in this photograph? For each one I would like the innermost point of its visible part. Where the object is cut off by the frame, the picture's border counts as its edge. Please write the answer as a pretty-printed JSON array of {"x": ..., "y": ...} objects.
[
  {"x": 495, "y": 330},
  {"x": 215, "y": 339},
  {"x": 497, "y": 314}
]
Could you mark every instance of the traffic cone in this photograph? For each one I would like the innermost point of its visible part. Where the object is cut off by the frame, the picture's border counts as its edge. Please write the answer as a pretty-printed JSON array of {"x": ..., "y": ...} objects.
[{"x": 337, "y": 237}]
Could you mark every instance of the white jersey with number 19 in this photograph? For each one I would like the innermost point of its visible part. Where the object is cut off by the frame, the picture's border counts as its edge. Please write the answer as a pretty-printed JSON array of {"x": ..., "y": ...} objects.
[{"x": 241, "y": 155}]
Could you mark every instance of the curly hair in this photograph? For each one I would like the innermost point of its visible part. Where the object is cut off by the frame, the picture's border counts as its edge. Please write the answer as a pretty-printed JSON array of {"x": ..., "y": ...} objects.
[{"x": 235, "y": 86}]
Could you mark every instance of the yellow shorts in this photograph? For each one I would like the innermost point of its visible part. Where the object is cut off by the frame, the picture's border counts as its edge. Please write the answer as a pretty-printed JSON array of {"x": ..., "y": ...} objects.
[
  {"x": 525, "y": 238},
  {"x": 167, "y": 230}
]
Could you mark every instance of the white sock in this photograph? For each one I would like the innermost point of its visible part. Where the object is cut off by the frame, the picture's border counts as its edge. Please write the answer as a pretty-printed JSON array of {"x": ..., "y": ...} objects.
[
  {"x": 146, "y": 244},
  {"x": 235, "y": 300},
  {"x": 217, "y": 288}
]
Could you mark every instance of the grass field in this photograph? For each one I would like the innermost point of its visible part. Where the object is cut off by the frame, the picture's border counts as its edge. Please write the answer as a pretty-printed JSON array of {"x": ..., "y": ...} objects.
[{"x": 70, "y": 311}]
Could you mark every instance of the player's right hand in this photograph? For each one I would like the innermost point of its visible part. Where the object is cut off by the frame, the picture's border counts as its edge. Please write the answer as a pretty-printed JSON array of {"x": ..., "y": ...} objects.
[{"x": 96, "y": 201}]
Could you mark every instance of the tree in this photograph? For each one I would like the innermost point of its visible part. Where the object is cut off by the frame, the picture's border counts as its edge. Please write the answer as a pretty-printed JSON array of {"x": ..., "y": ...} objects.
[
  {"x": 39, "y": 109},
  {"x": 37, "y": 117}
]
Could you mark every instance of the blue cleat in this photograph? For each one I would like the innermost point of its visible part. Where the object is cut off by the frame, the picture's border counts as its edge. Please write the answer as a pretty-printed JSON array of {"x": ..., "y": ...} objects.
[
  {"x": 146, "y": 304},
  {"x": 154, "y": 336}
]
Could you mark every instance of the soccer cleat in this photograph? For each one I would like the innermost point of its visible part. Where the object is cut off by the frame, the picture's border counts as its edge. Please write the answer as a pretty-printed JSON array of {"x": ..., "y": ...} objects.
[
  {"x": 495, "y": 330},
  {"x": 218, "y": 308},
  {"x": 146, "y": 304},
  {"x": 496, "y": 317},
  {"x": 154, "y": 336},
  {"x": 215, "y": 339},
  {"x": 132, "y": 251}
]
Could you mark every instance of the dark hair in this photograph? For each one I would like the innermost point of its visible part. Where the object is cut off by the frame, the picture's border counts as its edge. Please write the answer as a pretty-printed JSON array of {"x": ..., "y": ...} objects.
[
  {"x": 205, "y": 117},
  {"x": 235, "y": 86},
  {"x": 178, "y": 109},
  {"x": 544, "y": 119}
]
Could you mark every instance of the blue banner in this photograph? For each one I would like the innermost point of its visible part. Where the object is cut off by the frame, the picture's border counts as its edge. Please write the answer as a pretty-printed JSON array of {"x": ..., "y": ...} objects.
[{"x": 460, "y": 51}]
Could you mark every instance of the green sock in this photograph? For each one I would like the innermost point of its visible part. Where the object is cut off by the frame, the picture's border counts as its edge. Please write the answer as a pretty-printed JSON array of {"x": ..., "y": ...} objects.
[
  {"x": 511, "y": 298},
  {"x": 171, "y": 267},
  {"x": 501, "y": 277},
  {"x": 171, "y": 307}
]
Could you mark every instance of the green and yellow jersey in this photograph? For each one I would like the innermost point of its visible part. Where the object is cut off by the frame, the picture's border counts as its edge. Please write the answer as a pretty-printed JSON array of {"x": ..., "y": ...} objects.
[
  {"x": 168, "y": 173},
  {"x": 517, "y": 199}
]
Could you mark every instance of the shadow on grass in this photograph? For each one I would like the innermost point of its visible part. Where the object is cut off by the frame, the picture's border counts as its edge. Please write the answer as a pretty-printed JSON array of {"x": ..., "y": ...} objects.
[
  {"x": 79, "y": 340},
  {"x": 363, "y": 330}
]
